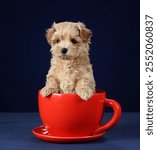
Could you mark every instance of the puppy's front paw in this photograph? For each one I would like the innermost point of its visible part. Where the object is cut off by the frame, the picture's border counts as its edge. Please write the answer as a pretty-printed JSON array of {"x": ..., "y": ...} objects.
[
  {"x": 85, "y": 93},
  {"x": 47, "y": 91}
]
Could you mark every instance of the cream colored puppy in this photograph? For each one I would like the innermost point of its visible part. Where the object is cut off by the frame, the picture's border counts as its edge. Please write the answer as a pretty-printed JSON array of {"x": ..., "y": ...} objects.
[{"x": 70, "y": 71}]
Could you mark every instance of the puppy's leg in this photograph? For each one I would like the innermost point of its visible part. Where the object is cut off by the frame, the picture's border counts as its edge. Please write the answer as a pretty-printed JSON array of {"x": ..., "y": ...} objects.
[
  {"x": 85, "y": 88},
  {"x": 50, "y": 87}
]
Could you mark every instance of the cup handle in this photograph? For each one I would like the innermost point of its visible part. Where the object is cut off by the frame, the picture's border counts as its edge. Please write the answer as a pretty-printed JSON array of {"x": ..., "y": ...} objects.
[{"x": 115, "y": 118}]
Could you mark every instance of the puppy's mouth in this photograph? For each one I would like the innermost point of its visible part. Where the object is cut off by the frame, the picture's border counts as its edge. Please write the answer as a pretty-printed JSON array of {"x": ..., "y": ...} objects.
[{"x": 65, "y": 57}]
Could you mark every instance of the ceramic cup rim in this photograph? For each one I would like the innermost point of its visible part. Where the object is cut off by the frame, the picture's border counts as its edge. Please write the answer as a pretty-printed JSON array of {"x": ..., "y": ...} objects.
[{"x": 98, "y": 92}]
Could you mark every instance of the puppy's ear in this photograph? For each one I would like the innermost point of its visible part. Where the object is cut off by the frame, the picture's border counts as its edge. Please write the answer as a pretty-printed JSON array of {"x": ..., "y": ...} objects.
[
  {"x": 85, "y": 33},
  {"x": 50, "y": 32}
]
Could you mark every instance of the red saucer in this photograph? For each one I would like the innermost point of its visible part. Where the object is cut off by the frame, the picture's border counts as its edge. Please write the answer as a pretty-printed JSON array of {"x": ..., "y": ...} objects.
[{"x": 42, "y": 133}]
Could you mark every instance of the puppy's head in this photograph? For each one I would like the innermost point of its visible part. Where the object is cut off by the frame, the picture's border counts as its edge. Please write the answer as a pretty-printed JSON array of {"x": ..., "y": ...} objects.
[{"x": 69, "y": 40}]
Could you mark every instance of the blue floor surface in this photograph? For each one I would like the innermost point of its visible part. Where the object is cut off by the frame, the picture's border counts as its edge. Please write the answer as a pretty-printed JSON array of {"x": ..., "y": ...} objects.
[{"x": 15, "y": 134}]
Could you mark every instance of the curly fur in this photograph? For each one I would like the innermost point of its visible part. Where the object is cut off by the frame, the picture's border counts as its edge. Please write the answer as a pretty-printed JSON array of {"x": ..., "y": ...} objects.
[{"x": 70, "y": 72}]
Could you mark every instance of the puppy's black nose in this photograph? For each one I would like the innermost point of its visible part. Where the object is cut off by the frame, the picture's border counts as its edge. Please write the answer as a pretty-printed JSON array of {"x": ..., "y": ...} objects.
[{"x": 64, "y": 50}]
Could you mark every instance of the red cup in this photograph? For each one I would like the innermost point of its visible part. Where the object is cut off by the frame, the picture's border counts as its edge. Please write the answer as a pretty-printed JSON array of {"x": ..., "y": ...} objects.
[{"x": 67, "y": 115}]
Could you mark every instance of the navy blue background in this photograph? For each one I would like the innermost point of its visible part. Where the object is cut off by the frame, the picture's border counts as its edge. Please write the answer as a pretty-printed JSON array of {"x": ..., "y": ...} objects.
[{"x": 25, "y": 56}]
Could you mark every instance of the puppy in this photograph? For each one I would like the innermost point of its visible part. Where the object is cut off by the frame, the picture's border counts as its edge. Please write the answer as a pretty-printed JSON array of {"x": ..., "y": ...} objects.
[{"x": 70, "y": 70}]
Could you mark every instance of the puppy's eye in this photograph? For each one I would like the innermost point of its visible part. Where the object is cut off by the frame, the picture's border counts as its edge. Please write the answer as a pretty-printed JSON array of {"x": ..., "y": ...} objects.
[
  {"x": 73, "y": 41},
  {"x": 57, "y": 41}
]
